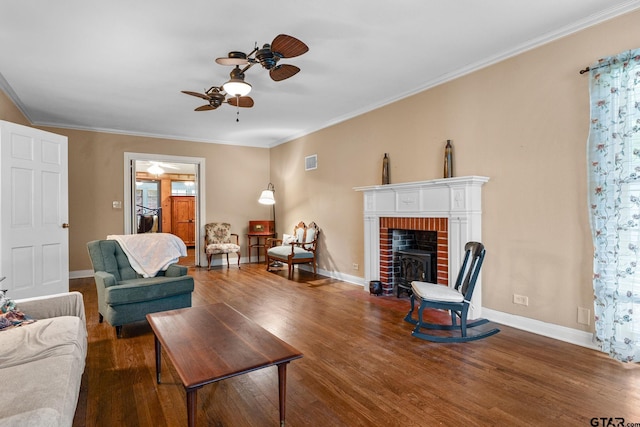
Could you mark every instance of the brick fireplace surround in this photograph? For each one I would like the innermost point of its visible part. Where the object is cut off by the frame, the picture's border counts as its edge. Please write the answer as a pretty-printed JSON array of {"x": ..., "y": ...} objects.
[
  {"x": 387, "y": 224},
  {"x": 451, "y": 206}
]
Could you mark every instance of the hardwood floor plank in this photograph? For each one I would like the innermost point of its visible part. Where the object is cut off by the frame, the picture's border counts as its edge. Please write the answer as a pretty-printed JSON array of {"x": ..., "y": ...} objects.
[{"x": 361, "y": 366}]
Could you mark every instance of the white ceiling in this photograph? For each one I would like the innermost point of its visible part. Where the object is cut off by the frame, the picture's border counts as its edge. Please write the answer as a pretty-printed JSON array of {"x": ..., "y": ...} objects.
[{"x": 119, "y": 66}]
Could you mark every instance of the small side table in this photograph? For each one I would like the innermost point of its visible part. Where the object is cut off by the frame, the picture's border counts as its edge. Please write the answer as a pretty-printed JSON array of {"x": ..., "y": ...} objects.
[{"x": 258, "y": 245}]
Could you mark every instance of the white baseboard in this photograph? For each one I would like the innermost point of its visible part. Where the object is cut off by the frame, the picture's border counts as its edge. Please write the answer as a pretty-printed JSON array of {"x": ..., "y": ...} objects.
[
  {"x": 341, "y": 276},
  {"x": 80, "y": 274},
  {"x": 562, "y": 333}
]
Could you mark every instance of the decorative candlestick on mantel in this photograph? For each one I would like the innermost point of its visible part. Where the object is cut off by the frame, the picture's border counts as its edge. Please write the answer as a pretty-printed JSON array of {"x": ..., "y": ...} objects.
[
  {"x": 385, "y": 169},
  {"x": 448, "y": 160}
]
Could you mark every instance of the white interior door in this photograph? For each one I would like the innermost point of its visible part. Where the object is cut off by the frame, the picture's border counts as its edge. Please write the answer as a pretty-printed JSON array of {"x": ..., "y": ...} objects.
[{"x": 34, "y": 211}]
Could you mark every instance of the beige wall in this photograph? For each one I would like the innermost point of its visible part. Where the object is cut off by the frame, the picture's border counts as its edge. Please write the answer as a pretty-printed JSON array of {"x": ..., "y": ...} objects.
[
  {"x": 523, "y": 123},
  {"x": 234, "y": 178}
]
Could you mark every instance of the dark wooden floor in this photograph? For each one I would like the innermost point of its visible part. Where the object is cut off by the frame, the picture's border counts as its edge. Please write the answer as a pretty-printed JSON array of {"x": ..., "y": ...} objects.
[{"x": 361, "y": 367}]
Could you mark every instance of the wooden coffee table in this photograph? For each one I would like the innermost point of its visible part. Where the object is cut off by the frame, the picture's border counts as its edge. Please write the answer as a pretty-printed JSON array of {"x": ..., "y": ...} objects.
[{"x": 210, "y": 343}]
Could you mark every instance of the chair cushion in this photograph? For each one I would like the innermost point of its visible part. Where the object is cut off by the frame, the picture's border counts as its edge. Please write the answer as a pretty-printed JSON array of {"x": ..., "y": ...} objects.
[
  {"x": 284, "y": 252},
  {"x": 300, "y": 234},
  {"x": 222, "y": 248},
  {"x": 287, "y": 239},
  {"x": 148, "y": 289},
  {"x": 435, "y": 292},
  {"x": 310, "y": 237},
  {"x": 218, "y": 232}
]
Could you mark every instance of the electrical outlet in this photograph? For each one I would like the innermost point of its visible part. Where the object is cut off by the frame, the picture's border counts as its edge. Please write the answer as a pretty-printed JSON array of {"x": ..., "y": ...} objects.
[
  {"x": 584, "y": 316},
  {"x": 117, "y": 204},
  {"x": 520, "y": 299},
  {"x": 355, "y": 266}
]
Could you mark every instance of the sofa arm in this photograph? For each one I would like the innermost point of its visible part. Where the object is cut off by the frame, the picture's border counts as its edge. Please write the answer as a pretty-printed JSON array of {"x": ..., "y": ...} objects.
[
  {"x": 56, "y": 305},
  {"x": 175, "y": 270}
]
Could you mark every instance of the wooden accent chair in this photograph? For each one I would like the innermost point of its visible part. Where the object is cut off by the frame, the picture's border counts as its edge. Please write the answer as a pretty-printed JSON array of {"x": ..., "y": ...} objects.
[
  {"x": 457, "y": 300},
  {"x": 218, "y": 239},
  {"x": 299, "y": 248}
]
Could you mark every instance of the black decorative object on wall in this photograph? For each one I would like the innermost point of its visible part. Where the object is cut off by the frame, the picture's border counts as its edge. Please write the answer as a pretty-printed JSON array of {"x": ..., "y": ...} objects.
[
  {"x": 448, "y": 160},
  {"x": 385, "y": 169}
]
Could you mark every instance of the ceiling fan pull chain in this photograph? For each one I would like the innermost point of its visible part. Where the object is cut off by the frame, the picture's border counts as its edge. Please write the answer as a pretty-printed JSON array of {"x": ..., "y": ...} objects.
[{"x": 237, "y": 109}]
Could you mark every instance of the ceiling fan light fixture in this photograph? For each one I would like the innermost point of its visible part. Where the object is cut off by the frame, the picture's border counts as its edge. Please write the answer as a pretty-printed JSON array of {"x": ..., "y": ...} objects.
[
  {"x": 237, "y": 87},
  {"x": 155, "y": 169}
]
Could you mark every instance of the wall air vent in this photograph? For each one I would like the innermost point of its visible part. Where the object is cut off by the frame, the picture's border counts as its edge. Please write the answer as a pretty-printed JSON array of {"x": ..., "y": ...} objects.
[{"x": 311, "y": 162}]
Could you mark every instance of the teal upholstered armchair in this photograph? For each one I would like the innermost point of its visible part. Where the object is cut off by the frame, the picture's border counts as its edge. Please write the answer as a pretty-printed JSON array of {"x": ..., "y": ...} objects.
[
  {"x": 126, "y": 297},
  {"x": 299, "y": 248}
]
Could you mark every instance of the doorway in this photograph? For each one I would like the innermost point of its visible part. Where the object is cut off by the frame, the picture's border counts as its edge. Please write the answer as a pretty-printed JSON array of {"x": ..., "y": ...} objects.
[{"x": 166, "y": 194}]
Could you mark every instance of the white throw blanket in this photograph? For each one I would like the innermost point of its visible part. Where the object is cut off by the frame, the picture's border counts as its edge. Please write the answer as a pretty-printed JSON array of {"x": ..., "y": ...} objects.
[{"x": 150, "y": 253}]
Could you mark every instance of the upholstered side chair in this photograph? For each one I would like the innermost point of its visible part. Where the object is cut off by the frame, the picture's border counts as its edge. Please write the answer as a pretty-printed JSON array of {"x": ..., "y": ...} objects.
[{"x": 218, "y": 239}]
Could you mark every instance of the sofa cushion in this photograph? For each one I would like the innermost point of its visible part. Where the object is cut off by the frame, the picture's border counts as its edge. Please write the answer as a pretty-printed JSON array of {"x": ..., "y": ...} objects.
[
  {"x": 56, "y": 336},
  {"x": 41, "y": 393},
  {"x": 41, "y": 367},
  {"x": 38, "y": 417}
]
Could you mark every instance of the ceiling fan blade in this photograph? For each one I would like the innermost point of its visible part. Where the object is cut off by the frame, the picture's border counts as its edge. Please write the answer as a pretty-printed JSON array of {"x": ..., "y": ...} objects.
[
  {"x": 288, "y": 46},
  {"x": 199, "y": 95},
  {"x": 283, "y": 71},
  {"x": 241, "y": 101},
  {"x": 205, "y": 108}
]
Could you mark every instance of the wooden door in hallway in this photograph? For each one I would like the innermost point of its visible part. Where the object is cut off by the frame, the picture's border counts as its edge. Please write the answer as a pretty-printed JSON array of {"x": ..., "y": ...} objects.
[{"x": 183, "y": 218}]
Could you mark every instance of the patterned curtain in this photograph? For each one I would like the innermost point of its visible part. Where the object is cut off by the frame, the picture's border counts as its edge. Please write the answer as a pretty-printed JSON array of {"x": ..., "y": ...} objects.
[{"x": 614, "y": 199}]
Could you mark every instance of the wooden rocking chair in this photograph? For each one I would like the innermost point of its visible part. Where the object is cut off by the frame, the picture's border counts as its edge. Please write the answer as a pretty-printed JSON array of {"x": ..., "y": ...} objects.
[{"x": 457, "y": 300}]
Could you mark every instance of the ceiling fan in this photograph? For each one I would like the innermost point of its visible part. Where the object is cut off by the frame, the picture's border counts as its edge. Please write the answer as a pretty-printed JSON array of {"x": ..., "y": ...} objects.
[{"x": 235, "y": 91}]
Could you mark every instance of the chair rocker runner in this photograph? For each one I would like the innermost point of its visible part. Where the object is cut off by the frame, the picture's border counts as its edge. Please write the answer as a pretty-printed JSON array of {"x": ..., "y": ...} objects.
[{"x": 456, "y": 300}]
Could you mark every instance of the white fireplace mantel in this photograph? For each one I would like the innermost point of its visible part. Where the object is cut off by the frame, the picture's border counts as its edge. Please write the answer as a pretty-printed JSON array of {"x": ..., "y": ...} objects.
[{"x": 457, "y": 199}]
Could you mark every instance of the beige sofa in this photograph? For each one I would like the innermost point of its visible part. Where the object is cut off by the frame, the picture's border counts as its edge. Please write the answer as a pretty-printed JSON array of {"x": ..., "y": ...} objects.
[{"x": 41, "y": 364}]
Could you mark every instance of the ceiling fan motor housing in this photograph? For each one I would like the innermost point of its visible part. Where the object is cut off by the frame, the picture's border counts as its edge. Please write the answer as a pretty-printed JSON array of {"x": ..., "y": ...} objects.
[
  {"x": 267, "y": 57},
  {"x": 216, "y": 99}
]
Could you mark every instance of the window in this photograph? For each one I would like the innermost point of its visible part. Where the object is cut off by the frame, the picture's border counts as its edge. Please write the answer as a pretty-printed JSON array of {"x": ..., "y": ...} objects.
[{"x": 183, "y": 188}]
